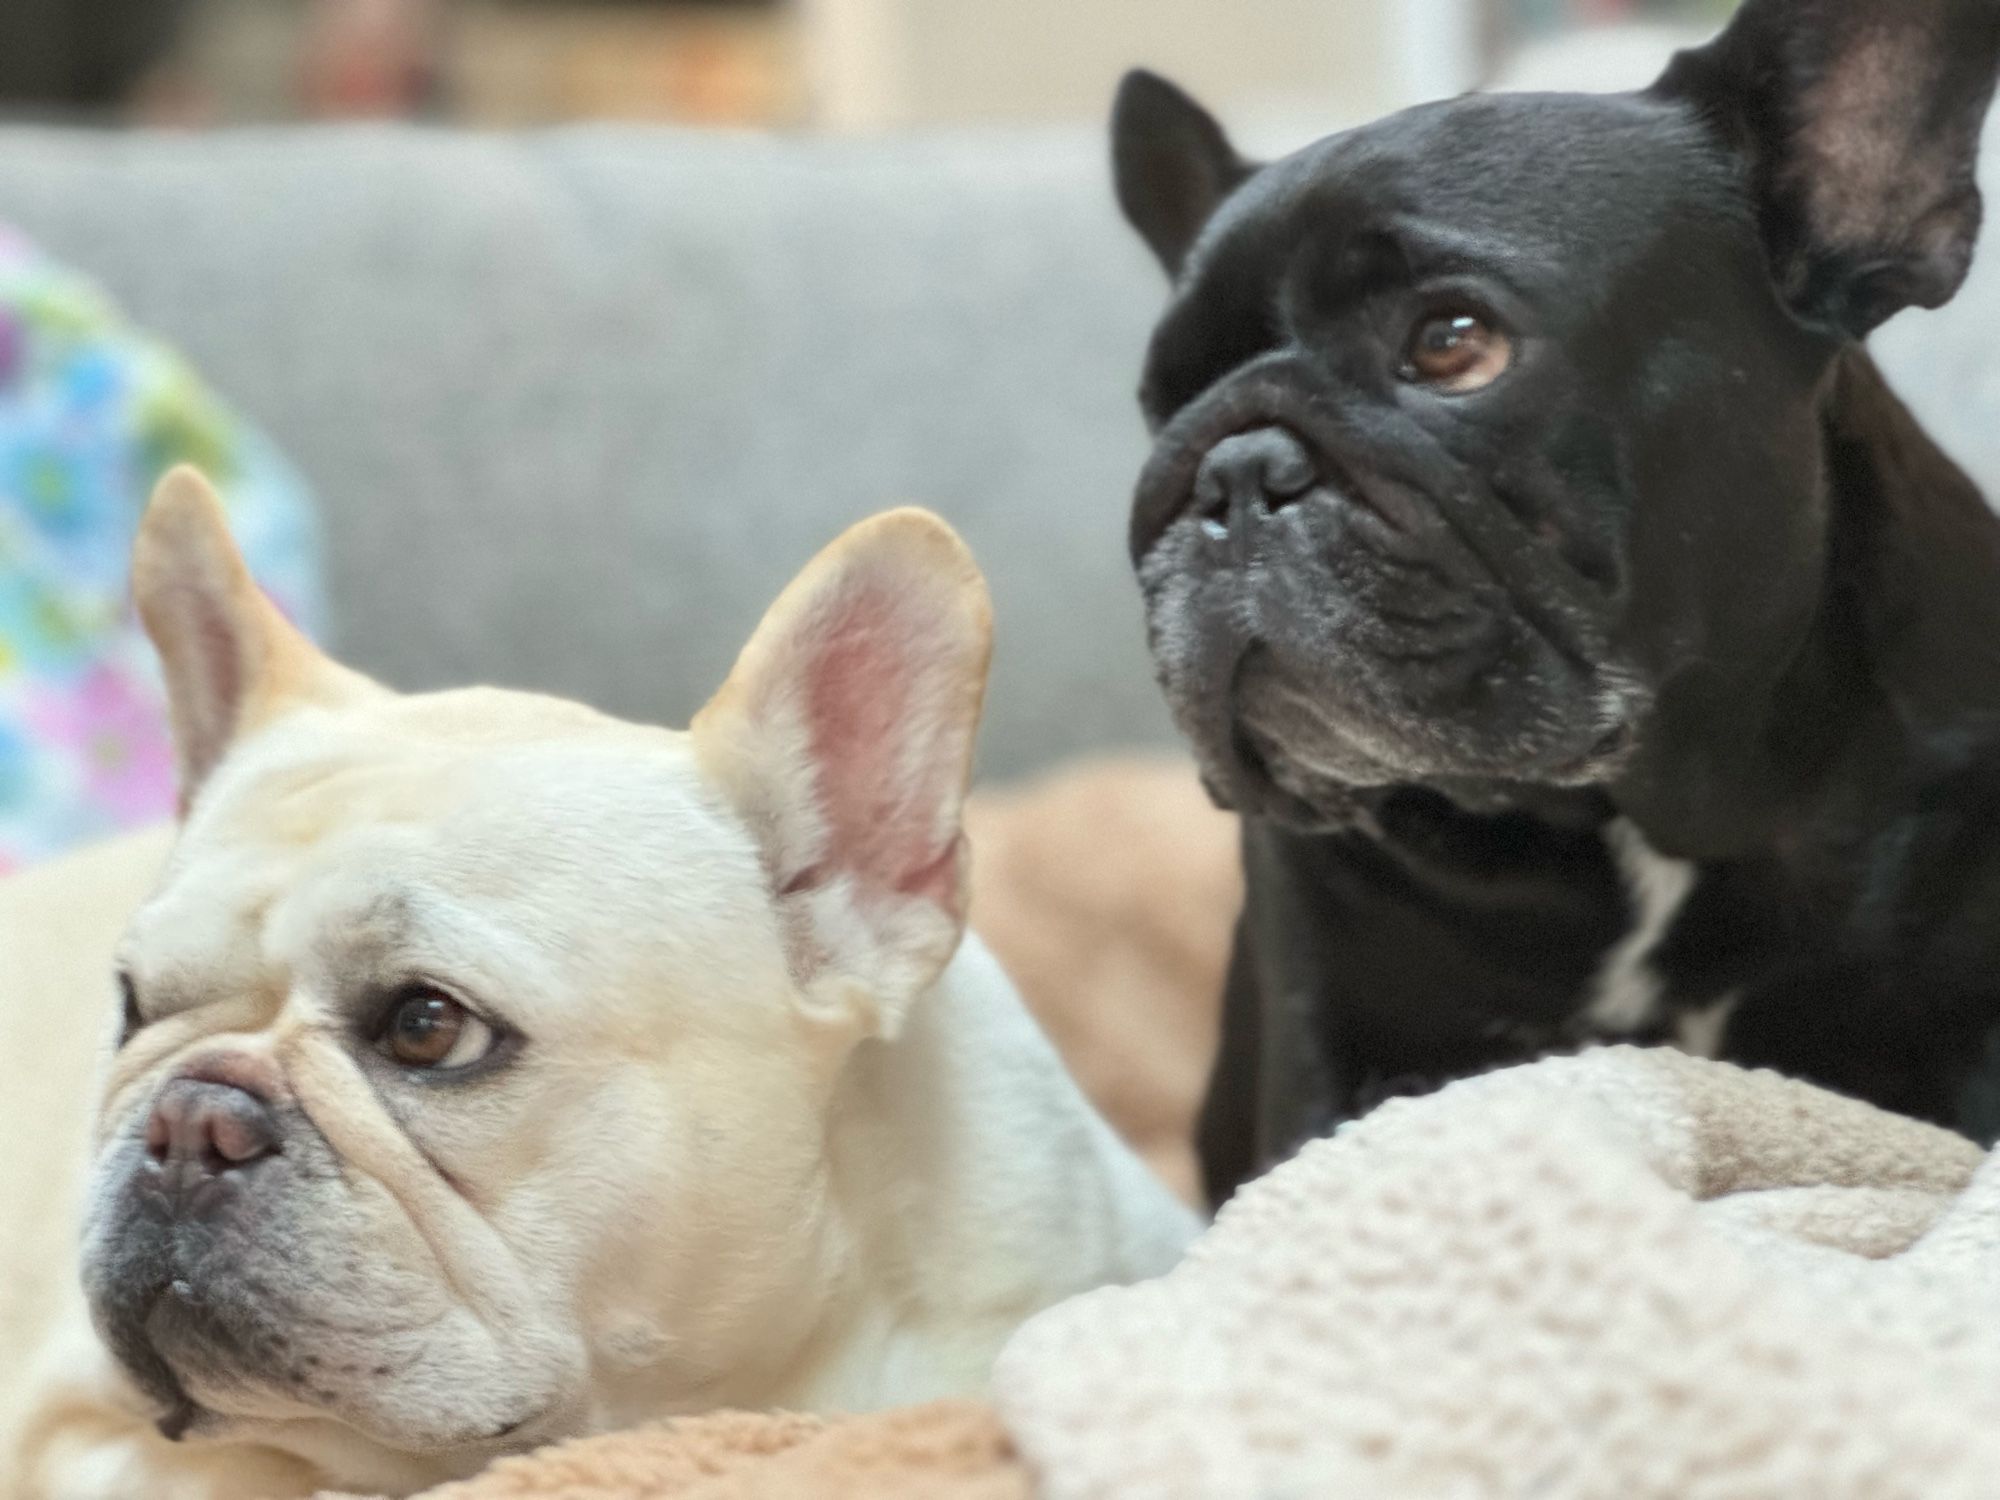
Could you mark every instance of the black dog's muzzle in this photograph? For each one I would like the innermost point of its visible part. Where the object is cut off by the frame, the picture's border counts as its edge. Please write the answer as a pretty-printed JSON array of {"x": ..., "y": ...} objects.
[{"x": 1271, "y": 434}]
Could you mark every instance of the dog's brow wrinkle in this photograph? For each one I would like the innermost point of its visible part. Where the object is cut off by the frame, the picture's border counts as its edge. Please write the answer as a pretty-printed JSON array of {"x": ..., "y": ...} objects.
[{"x": 390, "y": 907}]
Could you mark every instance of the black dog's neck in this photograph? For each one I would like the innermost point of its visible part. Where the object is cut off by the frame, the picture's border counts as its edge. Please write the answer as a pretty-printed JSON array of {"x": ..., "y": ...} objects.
[{"x": 1896, "y": 686}]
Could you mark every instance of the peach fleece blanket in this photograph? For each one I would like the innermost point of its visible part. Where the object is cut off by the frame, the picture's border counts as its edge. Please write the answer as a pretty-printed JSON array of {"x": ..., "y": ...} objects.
[{"x": 950, "y": 1450}]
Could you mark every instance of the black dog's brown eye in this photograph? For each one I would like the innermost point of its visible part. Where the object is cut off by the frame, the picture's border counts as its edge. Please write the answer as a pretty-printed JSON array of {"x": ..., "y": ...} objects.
[
  {"x": 1457, "y": 352},
  {"x": 429, "y": 1029}
]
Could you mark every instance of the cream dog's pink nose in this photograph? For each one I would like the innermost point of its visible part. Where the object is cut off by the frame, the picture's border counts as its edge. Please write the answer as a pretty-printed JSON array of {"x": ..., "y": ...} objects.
[{"x": 212, "y": 1127}]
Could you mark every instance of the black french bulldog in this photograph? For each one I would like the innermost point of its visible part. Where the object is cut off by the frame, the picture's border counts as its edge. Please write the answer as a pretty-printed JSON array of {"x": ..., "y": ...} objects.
[{"x": 1594, "y": 645}]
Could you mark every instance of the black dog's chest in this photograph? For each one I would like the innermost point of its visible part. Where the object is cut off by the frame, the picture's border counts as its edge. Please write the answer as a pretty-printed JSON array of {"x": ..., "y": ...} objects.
[
  {"x": 1439, "y": 945},
  {"x": 1448, "y": 939},
  {"x": 1384, "y": 962}
]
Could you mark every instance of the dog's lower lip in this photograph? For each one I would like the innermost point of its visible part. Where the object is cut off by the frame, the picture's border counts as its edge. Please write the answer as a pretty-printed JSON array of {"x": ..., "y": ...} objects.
[
  {"x": 1254, "y": 791},
  {"x": 1250, "y": 786},
  {"x": 160, "y": 1378},
  {"x": 179, "y": 1418},
  {"x": 507, "y": 1430}
]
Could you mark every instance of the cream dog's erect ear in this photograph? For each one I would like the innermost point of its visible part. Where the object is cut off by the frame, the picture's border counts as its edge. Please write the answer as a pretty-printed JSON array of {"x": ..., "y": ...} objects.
[
  {"x": 844, "y": 737},
  {"x": 232, "y": 661}
]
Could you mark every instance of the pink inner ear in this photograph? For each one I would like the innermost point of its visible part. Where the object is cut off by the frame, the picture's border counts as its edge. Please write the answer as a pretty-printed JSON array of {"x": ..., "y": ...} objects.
[{"x": 886, "y": 747}]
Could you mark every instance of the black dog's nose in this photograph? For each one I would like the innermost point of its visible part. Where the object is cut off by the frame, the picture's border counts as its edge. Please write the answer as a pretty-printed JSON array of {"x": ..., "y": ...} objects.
[
  {"x": 210, "y": 1127},
  {"x": 1266, "y": 469}
]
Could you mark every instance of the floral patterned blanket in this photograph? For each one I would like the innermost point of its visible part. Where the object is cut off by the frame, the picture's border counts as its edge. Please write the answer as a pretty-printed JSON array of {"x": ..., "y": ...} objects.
[{"x": 91, "y": 412}]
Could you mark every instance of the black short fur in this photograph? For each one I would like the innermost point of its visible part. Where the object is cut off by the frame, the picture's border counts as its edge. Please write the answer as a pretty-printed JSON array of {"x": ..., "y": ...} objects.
[{"x": 1685, "y": 574}]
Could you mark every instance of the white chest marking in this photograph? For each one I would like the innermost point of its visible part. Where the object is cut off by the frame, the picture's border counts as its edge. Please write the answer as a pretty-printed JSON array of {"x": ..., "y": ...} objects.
[
  {"x": 1625, "y": 995},
  {"x": 1700, "y": 1031}
]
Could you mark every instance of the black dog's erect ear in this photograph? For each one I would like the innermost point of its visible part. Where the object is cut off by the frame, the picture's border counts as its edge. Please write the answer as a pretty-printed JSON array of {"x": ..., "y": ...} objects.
[
  {"x": 1859, "y": 121},
  {"x": 1172, "y": 163}
]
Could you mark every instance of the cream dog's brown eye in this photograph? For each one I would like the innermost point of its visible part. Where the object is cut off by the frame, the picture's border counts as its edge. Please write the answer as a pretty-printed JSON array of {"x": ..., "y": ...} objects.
[
  {"x": 1457, "y": 352},
  {"x": 429, "y": 1029}
]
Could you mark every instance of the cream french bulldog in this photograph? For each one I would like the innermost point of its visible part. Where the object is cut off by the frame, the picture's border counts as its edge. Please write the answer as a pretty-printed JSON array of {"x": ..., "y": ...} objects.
[{"x": 492, "y": 1071}]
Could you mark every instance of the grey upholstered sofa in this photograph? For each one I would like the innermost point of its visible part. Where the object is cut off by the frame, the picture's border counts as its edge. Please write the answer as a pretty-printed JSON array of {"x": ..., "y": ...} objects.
[{"x": 578, "y": 403}]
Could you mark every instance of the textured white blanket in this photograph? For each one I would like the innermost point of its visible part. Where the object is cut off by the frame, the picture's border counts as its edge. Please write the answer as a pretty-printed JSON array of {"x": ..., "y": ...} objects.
[{"x": 1621, "y": 1276}]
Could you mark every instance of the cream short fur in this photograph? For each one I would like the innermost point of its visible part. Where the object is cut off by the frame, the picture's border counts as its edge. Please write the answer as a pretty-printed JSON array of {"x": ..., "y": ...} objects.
[{"x": 490, "y": 1070}]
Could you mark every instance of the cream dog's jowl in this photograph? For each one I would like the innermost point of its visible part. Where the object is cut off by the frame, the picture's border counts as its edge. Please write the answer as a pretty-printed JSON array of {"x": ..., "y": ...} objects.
[{"x": 492, "y": 1070}]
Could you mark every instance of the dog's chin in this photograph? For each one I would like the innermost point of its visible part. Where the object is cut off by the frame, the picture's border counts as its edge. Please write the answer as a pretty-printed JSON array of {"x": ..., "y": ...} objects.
[
  {"x": 1304, "y": 733},
  {"x": 264, "y": 1304},
  {"x": 1342, "y": 644},
  {"x": 219, "y": 1367}
]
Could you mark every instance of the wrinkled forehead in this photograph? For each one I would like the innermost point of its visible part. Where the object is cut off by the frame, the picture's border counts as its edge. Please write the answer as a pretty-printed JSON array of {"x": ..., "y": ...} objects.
[
  {"x": 529, "y": 849},
  {"x": 1535, "y": 187}
]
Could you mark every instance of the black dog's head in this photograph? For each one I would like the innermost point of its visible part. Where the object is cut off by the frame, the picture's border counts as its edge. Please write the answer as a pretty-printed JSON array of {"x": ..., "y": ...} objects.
[{"x": 1485, "y": 430}]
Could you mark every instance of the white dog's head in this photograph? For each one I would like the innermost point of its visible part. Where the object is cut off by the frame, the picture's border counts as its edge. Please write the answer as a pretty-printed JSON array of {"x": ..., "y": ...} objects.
[{"x": 477, "y": 1047}]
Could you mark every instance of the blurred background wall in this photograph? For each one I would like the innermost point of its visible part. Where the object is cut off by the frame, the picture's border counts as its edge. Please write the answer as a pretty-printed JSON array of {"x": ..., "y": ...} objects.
[
  {"x": 561, "y": 409},
  {"x": 838, "y": 64}
]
